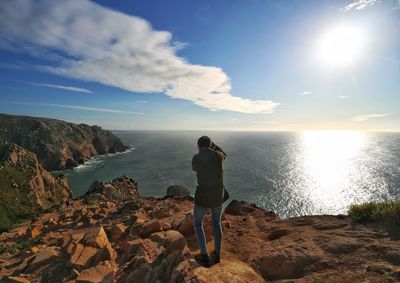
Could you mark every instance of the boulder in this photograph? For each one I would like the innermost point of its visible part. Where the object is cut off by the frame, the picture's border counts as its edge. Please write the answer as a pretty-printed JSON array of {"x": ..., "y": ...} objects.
[
  {"x": 174, "y": 241},
  {"x": 177, "y": 191},
  {"x": 103, "y": 273},
  {"x": 44, "y": 257},
  {"x": 86, "y": 258},
  {"x": 34, "y": 231},
  {"x": 116, "y": 231},
  {"x": 150, "y": 227},
  {"x": 95, "y": 237}
]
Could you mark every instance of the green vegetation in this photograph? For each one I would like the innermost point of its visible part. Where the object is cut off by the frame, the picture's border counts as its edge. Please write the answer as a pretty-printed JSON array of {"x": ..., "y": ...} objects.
[
  {"x": 6, "y": 220},
  {"x": 91, "y": 200},
  {"x": 20, "y": 246},
  {"x": 376, "y": 211}
]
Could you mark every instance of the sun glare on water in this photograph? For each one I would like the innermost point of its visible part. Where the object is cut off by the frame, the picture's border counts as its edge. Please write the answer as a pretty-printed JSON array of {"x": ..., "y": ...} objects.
[
  {"x": 329, "y": 161},
  {"x": 340, "y": 46}
]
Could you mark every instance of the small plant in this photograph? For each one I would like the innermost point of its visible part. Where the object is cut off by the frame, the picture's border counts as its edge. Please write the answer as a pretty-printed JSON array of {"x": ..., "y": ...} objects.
[
  {"x": 375, "y": 211},
  {"x": 91, "y": 200},
  {"x": 20, "y": 246}
]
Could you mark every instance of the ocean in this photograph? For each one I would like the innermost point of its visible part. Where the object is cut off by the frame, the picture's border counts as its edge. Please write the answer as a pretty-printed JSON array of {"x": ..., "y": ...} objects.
[{"x": 315, "y": 172}]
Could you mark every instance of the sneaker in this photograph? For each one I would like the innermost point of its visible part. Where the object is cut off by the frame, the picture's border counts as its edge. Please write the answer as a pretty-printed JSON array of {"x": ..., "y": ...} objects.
[
  {"x": 215, "y": 257},
  {"x": 202, "y": 259}
]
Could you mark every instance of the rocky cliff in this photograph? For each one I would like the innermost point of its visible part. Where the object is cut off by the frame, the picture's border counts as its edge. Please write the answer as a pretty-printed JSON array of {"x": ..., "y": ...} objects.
[
  {"x": 25, "y": 187},
  {"x": 114, "y": 235},
  {"x": 57, "y": 144}
]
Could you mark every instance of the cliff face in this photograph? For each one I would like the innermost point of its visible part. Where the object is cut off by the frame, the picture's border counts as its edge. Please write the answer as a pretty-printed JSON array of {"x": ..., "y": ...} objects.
[
  {"x": 114, "y": 235},
  {"x": 57, "y": 144},
  {"x": 25, "y": 187}
]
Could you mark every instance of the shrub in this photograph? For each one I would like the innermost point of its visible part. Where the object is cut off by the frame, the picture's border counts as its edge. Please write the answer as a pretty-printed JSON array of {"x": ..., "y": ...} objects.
[{"x": 375, "y": 211}]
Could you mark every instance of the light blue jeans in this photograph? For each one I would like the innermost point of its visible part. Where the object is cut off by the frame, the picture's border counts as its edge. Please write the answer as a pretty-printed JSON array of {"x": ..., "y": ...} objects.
[{"x": 198, "y": 217}]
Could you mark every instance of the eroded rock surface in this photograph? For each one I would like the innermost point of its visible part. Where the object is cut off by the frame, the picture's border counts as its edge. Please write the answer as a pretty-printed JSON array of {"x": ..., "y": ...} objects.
[{"x": 122, "y": 237}]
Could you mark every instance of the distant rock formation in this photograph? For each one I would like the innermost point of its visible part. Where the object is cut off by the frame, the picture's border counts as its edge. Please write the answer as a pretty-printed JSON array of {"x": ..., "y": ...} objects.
[
  {"x": 119, "y": 189},
  {"x": 25, "y": 187},
  {"x": 57, "y": 144},
  {"x": 112, "y": 234}
]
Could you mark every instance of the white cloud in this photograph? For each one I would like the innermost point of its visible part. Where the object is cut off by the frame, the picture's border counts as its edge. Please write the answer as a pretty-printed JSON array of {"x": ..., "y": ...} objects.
[
  {"x": 360, "y": 4},
  {"x": 142, "y": 101},
  {"x": 363, "y": 118},
  {"x": 76, "y": 107},
  {"x": 63, "y": 87},
  {"x": 97, "y": 44},
  {"x": 343, "y": 97},
  {"x": 305, "y": 92}
]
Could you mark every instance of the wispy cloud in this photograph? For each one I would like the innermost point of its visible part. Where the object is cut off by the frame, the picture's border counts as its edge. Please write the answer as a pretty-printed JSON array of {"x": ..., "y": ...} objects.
[
  {"x": 115, "y": 49},
  {"x": 76, "y": 107},
  {"x": 360, "y": 4},
  {"x": 63, "y": 87},
  {"x": 363, "y": 118},
  {"x": 305, "y": 92},
  {"x": 142, "y": 101},
  {"x": 343, "y": 97}
]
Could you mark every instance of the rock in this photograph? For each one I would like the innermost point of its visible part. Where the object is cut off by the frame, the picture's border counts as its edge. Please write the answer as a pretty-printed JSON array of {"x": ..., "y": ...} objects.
[
  {"x": 165, "y": 225},
  {"x": 103, "y": 273},
  {"x": 184, "y": 224},
  {"x": 232, "y": 271},
  {"x": 120, "y": 189},
  {"x": 33, "y": 232},
  {"x": 58, "y": 145},
  {"x": 132, "y": 246},
  {"x": 16, "y": 279},
  {"x": 44, "y": 257},
  {"x": 141, "y": 274},
  {"x": 34, "y": 249},
  {"x": 178, "y": 191},
  {"x": 149, "y": 227},
  {"x": 116, "y": 231},
  {"x": 286, "y": 264},
  {"x": 30, "y": 179},
  {"x": 86, "y": 258},
  {"x": 106, "y": 253},
  {"x": 175, "y": 241},
  {"x": 74, "y": 252},
  {"x": 95, "y": 237},
  {"x": 234, "y": 208}
]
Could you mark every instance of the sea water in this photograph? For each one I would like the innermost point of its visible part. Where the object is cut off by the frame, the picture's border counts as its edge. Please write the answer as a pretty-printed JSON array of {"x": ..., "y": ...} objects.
[{"x": 290, "y": 173}]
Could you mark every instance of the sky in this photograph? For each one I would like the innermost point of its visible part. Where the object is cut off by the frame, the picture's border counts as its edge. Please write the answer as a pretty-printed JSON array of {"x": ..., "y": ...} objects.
[{"x": 195, "y": 65}]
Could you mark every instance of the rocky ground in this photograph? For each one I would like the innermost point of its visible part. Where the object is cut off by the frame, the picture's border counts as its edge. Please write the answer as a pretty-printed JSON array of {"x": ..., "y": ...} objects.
[{"x": 114, "y": 235}]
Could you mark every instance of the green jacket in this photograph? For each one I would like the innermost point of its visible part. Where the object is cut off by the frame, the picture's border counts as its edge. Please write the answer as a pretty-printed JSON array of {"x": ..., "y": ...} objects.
[{"x": 209, "y": 170}]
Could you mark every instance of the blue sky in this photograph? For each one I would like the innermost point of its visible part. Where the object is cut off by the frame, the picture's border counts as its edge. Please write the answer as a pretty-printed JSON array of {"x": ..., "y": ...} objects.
[{"x": 222, "y": 65}]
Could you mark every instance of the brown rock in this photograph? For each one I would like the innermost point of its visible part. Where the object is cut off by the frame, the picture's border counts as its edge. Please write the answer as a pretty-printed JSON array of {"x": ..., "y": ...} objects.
[
  {"x": 149, "y": 227},
  {"x": 75, "y": 252},
  {"x": 33, "y": 232},
  {"x": 133, "y": 245},
  {"x": 103, "y": 273},
  {"x": 44, "y": 257},
  {"x": 165, "y": 225},
  {"x": 141, "y": 274},
  {"x": 16, "y": 279},
  {"x": 116, "y": 231},
  {"x": 86, "y": 257},
  {"x": 158, "y": 237},
  {"x": 96, "y": 237},
  {"x": 175, "y": 241},
  {"x": 287, "y": 263},
  {"x": 106, "y": 253}
]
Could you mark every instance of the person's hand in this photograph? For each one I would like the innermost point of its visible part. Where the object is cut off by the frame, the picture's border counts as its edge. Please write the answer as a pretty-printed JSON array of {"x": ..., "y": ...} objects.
[{"x": 213, "y": 145}]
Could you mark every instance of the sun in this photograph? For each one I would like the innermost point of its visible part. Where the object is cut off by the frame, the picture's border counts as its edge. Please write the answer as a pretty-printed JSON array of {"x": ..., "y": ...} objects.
[{"x": 340, "y": 46}]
